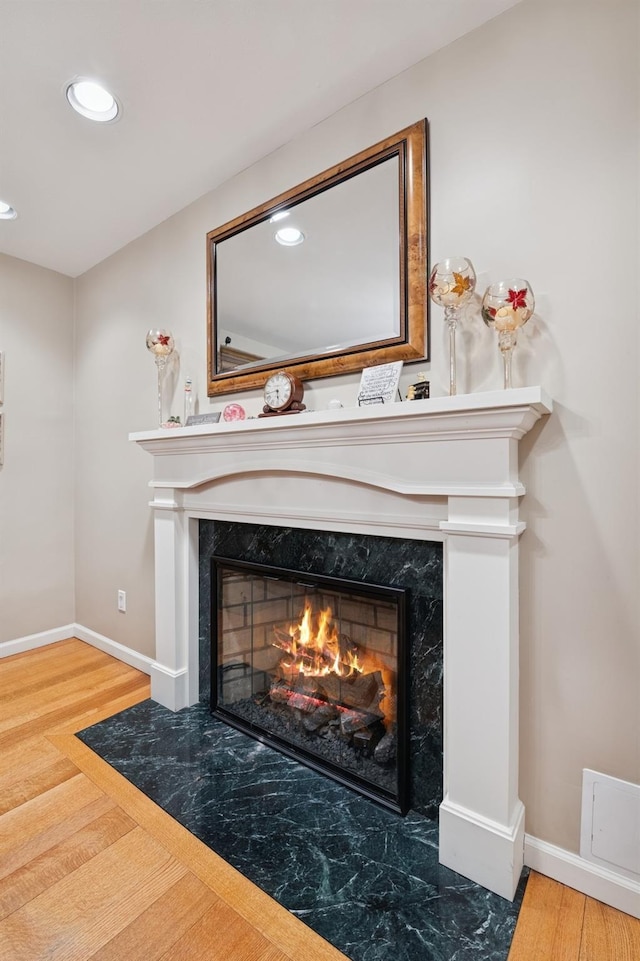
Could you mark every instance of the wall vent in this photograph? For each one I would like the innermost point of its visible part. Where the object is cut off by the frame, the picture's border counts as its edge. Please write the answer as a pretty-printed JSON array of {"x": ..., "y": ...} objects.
[{"x": 610, "y": 829}]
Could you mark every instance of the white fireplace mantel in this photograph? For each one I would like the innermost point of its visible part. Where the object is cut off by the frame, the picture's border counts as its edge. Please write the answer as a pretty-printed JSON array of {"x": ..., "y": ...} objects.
[{"x": 442, "y": 469}]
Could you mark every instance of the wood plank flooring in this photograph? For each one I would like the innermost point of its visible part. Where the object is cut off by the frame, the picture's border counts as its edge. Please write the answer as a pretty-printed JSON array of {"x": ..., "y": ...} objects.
[
  {"x": 91, "y": 869},
  {"x": 561, "y": 924}
]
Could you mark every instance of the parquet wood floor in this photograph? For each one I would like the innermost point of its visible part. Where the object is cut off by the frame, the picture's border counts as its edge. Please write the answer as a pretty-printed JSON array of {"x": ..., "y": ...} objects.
[{"x": 91, "y": 869}]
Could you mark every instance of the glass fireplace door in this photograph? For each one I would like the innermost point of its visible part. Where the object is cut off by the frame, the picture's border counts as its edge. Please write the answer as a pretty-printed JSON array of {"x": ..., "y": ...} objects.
[{"x": 316, "y": 667}]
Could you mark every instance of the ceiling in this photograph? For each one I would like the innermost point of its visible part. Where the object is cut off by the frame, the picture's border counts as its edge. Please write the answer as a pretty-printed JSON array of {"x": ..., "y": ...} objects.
[{"x": 208, "y": 87}]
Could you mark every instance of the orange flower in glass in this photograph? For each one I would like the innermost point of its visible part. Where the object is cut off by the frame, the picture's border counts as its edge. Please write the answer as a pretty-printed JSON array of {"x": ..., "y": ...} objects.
[
  {"x": 462, "y": 284},
  {"x": 451, "y": 285}
]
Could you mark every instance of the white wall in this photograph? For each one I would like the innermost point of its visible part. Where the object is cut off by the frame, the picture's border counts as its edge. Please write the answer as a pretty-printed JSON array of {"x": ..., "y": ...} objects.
[
  {"x": 534, "y": 171},
  {"x": 36, "y": 480}
]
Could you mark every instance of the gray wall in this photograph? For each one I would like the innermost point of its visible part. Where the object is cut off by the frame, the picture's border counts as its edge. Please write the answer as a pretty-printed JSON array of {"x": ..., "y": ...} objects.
[{"x": 36, "y": 480}]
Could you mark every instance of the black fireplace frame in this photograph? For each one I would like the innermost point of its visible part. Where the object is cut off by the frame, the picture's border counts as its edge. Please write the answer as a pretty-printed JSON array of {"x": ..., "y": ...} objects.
[{"x": 398, "y": 802}]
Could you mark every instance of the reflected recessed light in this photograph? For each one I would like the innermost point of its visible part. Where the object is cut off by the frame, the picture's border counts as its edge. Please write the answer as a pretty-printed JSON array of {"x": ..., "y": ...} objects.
[
  {"x": 279, "y": 216},
  {"x": 93, "y": 101},
  {"x": 289, "y": 236},
  {"x": 7, "y": 212}
]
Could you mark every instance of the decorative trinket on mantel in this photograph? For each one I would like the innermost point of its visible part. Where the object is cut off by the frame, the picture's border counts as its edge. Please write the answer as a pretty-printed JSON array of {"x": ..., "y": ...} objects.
[
  {"x": 234, "y": 412},
  {"x": 451, "y": 285},
  {"x": 172, "y": 422},
  {"x": 419, "y": 390}
]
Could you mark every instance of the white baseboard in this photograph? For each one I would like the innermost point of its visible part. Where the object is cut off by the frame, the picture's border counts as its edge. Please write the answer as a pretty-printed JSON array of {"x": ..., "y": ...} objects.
[
  {"x": 32, "y": 641},
  {"x": 168, "y": 687},
  {"x": 119, "y": 651},
  {"x": 122, "y": 653},
  {"x": 591, "y": 879},
  {"x": 489, "y": 853}
]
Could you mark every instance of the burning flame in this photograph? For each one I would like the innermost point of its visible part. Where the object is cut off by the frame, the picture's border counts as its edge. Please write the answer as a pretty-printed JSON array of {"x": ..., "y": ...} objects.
[{"x": 315, "y": 648}]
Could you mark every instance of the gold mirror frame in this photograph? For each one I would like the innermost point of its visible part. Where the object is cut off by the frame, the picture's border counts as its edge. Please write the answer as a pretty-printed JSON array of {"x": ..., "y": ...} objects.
[{"x": 410, "y": 146}]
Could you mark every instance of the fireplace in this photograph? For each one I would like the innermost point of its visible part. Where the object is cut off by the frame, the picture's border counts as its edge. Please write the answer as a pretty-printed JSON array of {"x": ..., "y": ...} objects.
[
  {"x": 442, "y": 470},
  {"x": 315, "y": 666},
  {"x": 364, "y": 565}
]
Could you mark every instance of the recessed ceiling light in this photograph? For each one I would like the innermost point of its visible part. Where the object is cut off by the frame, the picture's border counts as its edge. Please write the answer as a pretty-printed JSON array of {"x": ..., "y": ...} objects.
[
  {"x": 92, "y": 100},
  {"x": 7, "y": 212},
  {"x": 280, "y": 215},
  {"x": 289, "y": 236}
]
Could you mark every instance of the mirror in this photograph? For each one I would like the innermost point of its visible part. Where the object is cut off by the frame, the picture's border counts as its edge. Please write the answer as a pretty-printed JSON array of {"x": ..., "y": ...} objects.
[{"x": 347, "y": 291}]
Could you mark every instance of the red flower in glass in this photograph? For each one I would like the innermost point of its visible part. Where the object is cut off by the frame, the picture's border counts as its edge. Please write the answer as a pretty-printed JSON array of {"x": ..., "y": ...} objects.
[
  {"x": 164, "y": 338},
  {"x": 517, "y": 298}
]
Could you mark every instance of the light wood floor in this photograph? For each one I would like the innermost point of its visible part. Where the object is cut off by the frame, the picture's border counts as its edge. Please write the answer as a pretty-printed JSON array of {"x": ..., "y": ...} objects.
[{"x": 91, "y": 868}]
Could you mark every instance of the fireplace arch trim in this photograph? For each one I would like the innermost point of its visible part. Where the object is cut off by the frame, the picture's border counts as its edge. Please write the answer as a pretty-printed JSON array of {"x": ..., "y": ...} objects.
[{"x": 335, "y": 470}]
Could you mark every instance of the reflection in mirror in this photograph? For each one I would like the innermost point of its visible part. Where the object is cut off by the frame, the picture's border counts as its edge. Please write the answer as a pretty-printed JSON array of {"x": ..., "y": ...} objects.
[
  {"x": 340, "y": 278},
  {"x": 348, "y": 292}
]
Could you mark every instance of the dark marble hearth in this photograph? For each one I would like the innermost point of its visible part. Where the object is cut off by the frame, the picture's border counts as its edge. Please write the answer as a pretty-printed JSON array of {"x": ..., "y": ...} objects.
[{"x": 363, "y": 877}]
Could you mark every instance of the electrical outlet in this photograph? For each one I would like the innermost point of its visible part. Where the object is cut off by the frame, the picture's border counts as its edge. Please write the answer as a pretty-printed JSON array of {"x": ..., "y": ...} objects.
[{"x": 122, "y": 601}]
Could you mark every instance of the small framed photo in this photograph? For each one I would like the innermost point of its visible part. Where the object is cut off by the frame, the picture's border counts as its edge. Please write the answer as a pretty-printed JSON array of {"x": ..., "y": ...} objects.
[{"x": 1, "y": 377}]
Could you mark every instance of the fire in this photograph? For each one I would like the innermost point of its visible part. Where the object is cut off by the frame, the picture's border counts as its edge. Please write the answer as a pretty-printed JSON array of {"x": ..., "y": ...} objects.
[{"x": 315, "y": 648}]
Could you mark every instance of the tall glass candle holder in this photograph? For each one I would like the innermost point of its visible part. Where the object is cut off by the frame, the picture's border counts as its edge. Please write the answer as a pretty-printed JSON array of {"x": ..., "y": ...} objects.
[
  {"x": 506, "y": 306},
  {"x": 451, "y": 285},
  {"x": 160, "y": 344}
]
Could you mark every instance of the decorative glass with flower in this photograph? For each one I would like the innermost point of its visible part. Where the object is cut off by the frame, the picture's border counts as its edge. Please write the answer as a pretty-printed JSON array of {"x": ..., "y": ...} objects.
[
  {"x": 451, "y": 285},
  {"x": 506, "y": 306},
  {"x": 161, "y": 345}
]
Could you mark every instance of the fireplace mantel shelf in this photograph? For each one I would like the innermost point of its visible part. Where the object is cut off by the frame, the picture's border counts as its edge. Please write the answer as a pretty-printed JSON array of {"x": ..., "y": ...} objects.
[
  {"x": 439, "y": 469},
  {"x": 414, "y": 448},
  {"x": 463, "y": 413}
]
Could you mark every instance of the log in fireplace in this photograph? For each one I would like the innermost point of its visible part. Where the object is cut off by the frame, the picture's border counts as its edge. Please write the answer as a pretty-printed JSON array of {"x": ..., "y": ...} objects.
[{"x": 315, "y": 666}]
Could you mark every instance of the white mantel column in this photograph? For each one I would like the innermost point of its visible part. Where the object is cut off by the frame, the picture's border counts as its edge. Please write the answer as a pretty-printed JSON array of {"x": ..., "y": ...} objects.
[
  {"x": 481, "y": 816},
  {"x": 169, "y": 672}
]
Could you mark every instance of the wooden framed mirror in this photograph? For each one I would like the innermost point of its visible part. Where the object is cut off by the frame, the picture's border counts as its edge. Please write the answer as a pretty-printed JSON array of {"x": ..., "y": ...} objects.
[{"x": 347, "y": 291}]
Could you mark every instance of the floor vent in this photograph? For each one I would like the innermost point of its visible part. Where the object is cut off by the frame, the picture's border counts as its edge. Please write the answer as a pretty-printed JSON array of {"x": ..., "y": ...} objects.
[{"x": 610, "y": 830}]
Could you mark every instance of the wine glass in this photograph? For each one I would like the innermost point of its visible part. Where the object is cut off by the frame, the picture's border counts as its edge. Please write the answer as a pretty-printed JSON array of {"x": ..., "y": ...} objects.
[
  {"x": 161, "y": 345},
  {"x": 451, "y": 285},
  {"x": 506, "y": 306}
]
